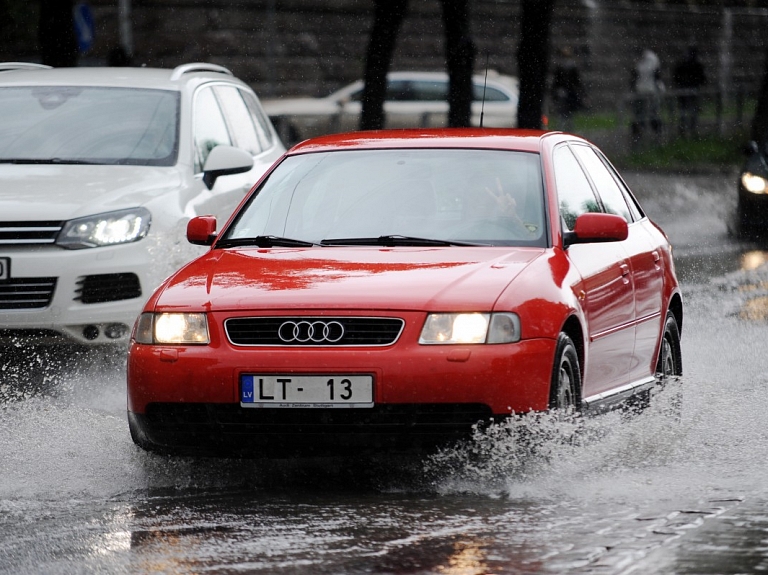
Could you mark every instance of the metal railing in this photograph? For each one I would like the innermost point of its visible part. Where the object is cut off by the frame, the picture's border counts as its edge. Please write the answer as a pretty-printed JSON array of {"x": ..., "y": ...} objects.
[{"x": 660, "y": 118}]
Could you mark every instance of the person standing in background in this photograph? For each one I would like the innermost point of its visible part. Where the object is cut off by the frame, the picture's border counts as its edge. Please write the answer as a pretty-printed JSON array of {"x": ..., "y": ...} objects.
[
  {"x": 688, "y": 78},
  {"x": 647, "y": 87},
  {"x": 566, "y": 90}
]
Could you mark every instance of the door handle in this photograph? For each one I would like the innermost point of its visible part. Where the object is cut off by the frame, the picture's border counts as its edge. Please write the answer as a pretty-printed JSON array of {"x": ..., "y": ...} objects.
[{"x": 624, "y": 273}]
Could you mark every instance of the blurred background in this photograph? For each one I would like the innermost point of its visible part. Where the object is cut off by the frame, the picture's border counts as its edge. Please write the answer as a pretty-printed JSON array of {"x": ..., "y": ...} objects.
[{"x": 313, "y": 47}]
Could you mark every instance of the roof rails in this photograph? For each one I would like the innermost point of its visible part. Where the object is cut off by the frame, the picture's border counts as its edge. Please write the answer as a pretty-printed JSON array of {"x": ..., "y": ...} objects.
[
  {"x": 7, "y": 66},
  {"x": 179, "y": 71}
]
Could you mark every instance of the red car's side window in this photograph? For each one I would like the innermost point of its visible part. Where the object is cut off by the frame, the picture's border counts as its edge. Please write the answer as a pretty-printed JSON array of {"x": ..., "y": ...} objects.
[
  {"x": 607, "y": 188},
  {"x": 575, "y": 194}
]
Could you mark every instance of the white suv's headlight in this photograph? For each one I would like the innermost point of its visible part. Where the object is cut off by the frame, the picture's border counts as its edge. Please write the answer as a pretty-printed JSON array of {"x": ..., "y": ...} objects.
[
  {"x": 172, "y": 328},
  {"x": 753, "y": 183},
  {"x": 465, "y": 328},
  {"x": 108, "y": 229}
]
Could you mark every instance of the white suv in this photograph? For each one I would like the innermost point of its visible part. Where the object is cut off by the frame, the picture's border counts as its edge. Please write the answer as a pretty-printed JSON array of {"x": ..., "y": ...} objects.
[{"x": 100, "y": 170}]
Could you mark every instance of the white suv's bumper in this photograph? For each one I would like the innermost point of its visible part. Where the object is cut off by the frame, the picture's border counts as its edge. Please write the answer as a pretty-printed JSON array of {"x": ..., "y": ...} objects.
[{"x": 97, "y": 295}]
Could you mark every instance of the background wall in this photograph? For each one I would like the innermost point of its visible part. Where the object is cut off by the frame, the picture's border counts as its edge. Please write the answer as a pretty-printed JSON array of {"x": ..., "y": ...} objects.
[{"x": 311, "y": 47}]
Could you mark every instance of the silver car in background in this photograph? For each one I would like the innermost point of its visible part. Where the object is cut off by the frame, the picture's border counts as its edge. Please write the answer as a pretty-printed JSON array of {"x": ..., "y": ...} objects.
[{"x": 413, "y": 100}]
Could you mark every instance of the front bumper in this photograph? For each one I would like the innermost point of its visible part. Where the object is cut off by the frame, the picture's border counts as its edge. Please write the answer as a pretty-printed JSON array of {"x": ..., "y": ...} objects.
[
  {"x": 88, "y": 297},
  {"x": 216, "y": 429},
  {"x": 186, "y": 399}
]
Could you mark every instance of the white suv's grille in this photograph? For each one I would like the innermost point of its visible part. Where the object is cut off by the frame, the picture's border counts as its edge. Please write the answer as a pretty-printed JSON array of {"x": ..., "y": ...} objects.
[
  {"x": 28, "y": 233},
  {"x": 26, "y": 293}
]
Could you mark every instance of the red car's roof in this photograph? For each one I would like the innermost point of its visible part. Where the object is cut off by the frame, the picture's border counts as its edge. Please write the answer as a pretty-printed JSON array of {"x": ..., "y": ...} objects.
[{"x": 489, "y": 138}]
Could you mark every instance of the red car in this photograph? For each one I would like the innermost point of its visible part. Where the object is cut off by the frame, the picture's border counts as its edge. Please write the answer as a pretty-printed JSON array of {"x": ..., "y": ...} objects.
[{"x": 389, "y": 290}]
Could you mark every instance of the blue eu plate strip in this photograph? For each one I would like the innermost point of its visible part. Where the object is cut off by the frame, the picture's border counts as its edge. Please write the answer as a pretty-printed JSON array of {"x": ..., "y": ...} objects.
[{"x": 246, "y": 389}]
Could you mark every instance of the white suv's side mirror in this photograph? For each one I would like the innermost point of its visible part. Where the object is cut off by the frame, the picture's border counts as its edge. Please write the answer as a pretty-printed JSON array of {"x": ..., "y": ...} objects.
[{"x": 225, "y": 160}]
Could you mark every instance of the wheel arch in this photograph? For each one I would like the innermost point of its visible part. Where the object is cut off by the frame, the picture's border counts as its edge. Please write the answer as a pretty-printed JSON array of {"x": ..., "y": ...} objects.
[{"x": 676, "y": 307}]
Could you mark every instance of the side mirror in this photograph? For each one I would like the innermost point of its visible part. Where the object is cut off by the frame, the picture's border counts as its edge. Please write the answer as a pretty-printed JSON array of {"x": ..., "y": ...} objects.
[
  {"x": 225, "y": 160},
  {"x": 201, "y": 230},
  {"x": 597, "y": 227}
]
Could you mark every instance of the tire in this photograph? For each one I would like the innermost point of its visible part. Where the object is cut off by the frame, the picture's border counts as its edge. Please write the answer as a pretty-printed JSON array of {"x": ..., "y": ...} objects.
[
  {"x": 669, "y": 366},
  {"x": 565, "y": 386}
]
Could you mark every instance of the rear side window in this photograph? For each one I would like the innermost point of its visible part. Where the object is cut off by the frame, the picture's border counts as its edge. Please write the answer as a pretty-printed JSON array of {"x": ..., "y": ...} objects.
[
  {"x": 260, "y": 120},
  {"x": 491, "y": 94},
  {"x": 614, "y": 201},
  {"x": 574, "y": 192},
  {"x": 429, "y": 91},
  {"x": 238, "y": 119}
]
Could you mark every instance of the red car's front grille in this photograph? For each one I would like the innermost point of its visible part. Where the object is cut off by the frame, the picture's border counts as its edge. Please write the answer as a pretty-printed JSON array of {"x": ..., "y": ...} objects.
[{"x": 314, "y": 331}]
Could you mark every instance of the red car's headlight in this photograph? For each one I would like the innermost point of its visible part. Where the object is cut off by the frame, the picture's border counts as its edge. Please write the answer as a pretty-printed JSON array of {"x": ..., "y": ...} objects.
[
  {"x": 469, "y": 328},
  {"x": 172, "y": 328}
]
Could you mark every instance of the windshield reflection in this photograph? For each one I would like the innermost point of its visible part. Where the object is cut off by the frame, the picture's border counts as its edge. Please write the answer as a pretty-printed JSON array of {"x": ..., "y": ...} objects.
[{"x": 479, "y": 196}]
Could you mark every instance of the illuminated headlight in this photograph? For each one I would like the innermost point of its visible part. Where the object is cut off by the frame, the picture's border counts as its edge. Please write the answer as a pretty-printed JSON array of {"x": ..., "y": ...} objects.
[
  {"x": 107, "y": 229},
  {"x": 753, "y": 183},
  {"x": 464, "y": 328},
  {"x": 172, "y": 328}
]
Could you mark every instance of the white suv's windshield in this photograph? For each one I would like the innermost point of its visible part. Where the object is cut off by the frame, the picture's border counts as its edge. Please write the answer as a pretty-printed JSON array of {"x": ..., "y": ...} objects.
[
  {"x": 398, "y": 197},
  {"x": 88, "y": 125}
]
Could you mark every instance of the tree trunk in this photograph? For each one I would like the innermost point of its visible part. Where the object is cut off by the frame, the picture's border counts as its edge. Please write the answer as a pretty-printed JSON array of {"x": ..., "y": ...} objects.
[
  {"x": 58, "y": 44},
  {"x": 460, "y": 56},
  {"x": 388, "y": 15},
  {"x": 533, "y": 60},
  {"x": 760, "y": 120}
]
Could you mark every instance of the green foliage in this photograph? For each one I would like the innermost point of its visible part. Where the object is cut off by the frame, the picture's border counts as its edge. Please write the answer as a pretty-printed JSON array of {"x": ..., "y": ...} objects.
[{"x": 681, "y": 154}]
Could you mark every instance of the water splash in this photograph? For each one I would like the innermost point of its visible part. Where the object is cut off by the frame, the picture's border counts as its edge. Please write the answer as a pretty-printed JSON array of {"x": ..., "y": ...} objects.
[{"x": 548, "y": 454}]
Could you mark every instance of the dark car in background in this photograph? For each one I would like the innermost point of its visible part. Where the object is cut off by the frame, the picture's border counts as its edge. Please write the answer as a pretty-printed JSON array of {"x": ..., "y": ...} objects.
[{"x": 752, "y": 207}]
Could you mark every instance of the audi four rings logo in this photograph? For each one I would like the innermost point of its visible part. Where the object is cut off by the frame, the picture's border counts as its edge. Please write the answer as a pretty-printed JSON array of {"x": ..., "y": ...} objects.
[{"x": 311, "y": 332}]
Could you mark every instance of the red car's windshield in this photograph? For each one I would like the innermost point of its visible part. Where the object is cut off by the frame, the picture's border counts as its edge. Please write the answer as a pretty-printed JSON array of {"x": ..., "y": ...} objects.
[{"x": 488, "y": 197}]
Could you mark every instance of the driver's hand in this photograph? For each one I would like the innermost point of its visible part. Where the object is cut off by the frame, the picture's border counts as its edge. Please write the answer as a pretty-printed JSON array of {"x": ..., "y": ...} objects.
[{"x": 504, "y": 202}]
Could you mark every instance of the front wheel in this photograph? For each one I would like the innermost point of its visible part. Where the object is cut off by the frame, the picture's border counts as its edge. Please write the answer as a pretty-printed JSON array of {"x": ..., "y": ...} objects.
[
  {"x": 565, "y": 386},
  {"x": 669, "y": 366}
]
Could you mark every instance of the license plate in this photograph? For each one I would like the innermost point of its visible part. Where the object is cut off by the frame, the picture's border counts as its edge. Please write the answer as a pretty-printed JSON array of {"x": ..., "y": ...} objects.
[
  {"x": 5, "y": 269},
  {"x": 314, "y": 391}
]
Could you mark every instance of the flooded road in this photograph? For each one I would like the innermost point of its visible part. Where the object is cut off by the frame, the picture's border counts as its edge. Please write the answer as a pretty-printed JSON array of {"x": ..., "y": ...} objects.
[{"x": 661, "y": 492}]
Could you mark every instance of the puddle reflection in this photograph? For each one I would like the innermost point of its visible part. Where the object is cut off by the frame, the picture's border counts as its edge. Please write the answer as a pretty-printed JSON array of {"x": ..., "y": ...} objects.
[{"x": 755, "y": 308}]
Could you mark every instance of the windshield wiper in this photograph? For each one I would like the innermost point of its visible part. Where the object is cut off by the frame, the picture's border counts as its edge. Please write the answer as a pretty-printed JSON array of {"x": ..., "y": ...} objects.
[
  {"x": 264, "y": 242},
  {"x": 46, "y": 161},
  {"x": 393, "y": 241}
]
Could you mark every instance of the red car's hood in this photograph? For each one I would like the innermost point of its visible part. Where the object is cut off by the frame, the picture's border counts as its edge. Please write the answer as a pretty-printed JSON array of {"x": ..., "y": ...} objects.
[{"x": 346, "y": 278}]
